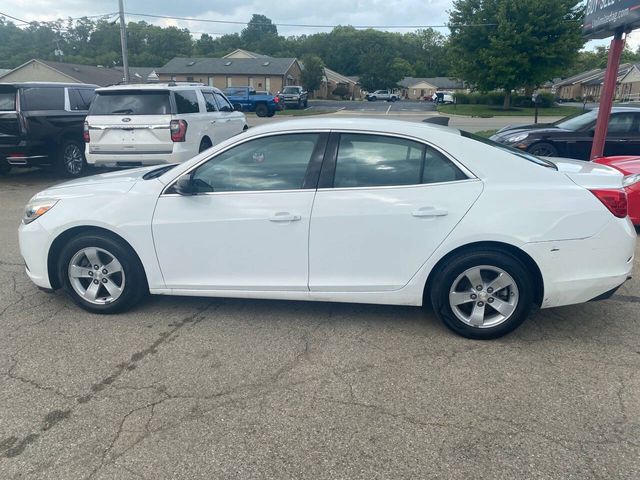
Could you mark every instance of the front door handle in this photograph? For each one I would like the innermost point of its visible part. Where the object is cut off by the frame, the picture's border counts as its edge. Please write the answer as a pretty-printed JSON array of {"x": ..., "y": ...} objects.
[
  {"x": 429, "y": 212},
  {"x": 284, "y": 217}
]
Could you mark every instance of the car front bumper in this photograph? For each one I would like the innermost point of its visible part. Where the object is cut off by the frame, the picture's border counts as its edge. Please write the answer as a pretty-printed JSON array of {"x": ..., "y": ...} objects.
[{"x": 35, "y": 242}]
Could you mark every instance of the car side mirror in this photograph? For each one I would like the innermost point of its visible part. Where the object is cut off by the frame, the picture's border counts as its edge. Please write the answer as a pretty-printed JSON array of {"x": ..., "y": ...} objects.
[
  {"x": 184, "y": 185},
  {"x": 237, "y": 107}
]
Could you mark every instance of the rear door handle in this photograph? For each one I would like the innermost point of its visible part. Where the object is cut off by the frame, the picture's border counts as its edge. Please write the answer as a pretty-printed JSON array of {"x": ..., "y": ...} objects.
[
  {"x": 284, "y": 217},
  {"x": 429, "y": 212}
]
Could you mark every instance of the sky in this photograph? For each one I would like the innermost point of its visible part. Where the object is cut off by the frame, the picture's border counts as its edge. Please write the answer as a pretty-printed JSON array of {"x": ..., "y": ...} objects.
[{"x": 323, "y": 12}]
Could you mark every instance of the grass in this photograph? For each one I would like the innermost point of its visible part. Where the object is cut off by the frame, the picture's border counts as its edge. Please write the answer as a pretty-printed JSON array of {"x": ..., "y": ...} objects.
[
  {"x": 493, "y": 111},
  {"x": 486, "y": 133}
]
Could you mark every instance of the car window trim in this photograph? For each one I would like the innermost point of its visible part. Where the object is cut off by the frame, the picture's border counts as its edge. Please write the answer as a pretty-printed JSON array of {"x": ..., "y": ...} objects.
[
  {"x": 328, "y": 172},
  {"x": 311, "y": 177}
]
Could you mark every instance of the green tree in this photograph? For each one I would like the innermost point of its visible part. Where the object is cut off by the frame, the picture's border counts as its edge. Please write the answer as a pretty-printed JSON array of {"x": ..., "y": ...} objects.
[
  {"x": 522, "y": 44},
  {"x": 312, "y": 73},
  {"x": 260, "y": 29}
]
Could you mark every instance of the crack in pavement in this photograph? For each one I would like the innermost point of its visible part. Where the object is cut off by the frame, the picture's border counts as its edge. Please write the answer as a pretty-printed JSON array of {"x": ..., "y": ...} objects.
[{"x": 13, "y": 446}]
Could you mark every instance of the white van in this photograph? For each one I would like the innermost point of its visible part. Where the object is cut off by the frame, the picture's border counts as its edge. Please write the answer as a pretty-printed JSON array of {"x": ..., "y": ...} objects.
[{"x": 136, "y": 125}]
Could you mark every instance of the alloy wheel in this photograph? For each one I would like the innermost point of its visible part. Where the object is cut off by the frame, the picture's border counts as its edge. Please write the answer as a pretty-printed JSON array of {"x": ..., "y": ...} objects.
[
  {"x": 484, "y": 296},
  {"x": 96, "y": 275},
  {"x": 72, "y": 158}
]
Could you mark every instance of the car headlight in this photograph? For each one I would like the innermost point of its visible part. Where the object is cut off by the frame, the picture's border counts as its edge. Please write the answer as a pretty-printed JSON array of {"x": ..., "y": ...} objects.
[
  {"x": 629, "y": 180},
  {"x": 36, "y": 209},
  {"x": 517, "y": 138}
]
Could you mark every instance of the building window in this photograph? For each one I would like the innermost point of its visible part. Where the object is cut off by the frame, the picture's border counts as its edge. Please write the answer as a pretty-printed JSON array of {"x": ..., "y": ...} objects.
[
  {"x": 229, "y": 81},
  {"x": 189, "y": 79}
]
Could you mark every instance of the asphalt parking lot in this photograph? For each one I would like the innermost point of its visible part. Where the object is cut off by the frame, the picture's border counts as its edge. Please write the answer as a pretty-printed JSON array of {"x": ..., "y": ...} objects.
[
  {"x": 188, "y": 388},
  {"x": 401, "y": 106}
]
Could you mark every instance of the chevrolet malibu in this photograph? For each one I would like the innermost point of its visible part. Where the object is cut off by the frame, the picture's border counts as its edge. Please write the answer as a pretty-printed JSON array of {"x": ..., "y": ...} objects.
[{"x": 342, "y": 210}]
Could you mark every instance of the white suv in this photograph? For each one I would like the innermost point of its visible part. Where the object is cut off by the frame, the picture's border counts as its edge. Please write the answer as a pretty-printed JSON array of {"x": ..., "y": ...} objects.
[{"x": 136, "y": 125}]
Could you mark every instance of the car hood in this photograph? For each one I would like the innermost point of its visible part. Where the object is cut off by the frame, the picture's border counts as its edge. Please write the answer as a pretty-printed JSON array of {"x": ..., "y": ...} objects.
[{"x": 113, "y": 182}]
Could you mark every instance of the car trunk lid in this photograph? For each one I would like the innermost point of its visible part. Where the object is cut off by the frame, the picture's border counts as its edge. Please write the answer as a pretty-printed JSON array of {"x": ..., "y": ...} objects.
[{"x": 588, "y": 174}]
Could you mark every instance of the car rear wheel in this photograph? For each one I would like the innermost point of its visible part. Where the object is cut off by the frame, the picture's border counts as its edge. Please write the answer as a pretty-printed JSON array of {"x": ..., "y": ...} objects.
[
  {"x": 262, "y": 110},
  {"x": 101, "y": 274},
  {"x": 543, "y": 149},
  {"x": 483, "y": 294},
  {"x": 71, "y": 160},
  {"x": 205, "y": 144}
]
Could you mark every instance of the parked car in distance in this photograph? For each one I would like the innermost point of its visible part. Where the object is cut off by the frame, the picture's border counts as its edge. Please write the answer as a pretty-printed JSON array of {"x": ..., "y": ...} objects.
[
  {"x": 41, "y": 125},
  {"x": 572, "y": 136},
  {"x": 246, "y": 99},
  {"x": 442, "y": 97},
  {"x": 387, "y": 95},
  {"x": 434, "y": 214},
  {"x": 294, "y": 96},
  {"x": 630, "y": 168},
  {"x": 149, "y": 124}
]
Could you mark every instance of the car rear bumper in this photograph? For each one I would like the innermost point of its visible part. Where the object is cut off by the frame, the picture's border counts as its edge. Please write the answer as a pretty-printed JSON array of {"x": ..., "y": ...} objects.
[
  {"x": 576, "y": 271},
  {"x": 25, "y": 155},
  {"x": 139, "y": 159}
]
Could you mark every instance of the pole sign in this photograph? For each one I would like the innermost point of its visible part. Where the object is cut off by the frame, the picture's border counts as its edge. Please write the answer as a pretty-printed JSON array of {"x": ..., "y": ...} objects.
[{"x": 603, "y": 17}]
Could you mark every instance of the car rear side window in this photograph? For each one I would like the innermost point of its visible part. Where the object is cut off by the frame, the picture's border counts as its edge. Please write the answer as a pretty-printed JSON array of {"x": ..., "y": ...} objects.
[
  {"x": 7, "y": 99},
  {"x": 378, "y": 161},
  {"x": 187, "y": 101},
  {"x": 272, "y": 163},
  {"x": 131, "y": 103},
  {"x": 42, "y": 98},
  {"x": 210, "y": 102},
  {"x": 80, "y": 99}
]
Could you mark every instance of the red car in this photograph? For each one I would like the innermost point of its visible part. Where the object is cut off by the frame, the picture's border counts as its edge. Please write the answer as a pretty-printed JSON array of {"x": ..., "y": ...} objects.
[{"x": 630, "y": 167}]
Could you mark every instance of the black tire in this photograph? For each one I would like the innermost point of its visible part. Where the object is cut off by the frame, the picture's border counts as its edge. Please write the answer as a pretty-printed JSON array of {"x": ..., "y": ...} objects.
[
  {"x": 205, "y": 144},
  {"x": 373, "y": 99},
  {"x": 71, "y": 160},
  {"x": 445, "y": 280},
  {"x": 271, "y": 113},
  {"x": 4, "y": 167},
  {"x": 543, "y": 149},
  {"x": 262, "y": 110},
  {"x": 134, "y": 279}
]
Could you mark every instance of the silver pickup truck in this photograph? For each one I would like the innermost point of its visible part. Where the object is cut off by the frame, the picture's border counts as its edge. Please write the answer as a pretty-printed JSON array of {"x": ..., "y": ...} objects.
[{"x": 382, "y": 95}]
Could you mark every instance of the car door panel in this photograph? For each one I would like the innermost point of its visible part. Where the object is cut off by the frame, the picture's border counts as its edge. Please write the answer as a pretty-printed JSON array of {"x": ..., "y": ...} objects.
[{"x": 375, "y": 238}]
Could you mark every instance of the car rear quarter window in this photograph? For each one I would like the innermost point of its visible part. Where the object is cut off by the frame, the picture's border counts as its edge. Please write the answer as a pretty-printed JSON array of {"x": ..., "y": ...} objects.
[
  {"x": 210, "y": 101},
  {"x": 187, "y": 101},
  {"x": 80, "y": 98},
  {"x": 131, "y": 103},
  {"x": 42, "y": 98},
  {"x": 7, "y": 99},
  {"x": 378, "y": 161}
]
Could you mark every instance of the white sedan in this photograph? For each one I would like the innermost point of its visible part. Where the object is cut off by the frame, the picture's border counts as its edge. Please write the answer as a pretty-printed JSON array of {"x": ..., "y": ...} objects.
[{"x": 347, "y": 210}]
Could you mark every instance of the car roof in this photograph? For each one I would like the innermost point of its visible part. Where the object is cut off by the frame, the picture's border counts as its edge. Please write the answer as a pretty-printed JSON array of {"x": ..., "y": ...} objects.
[
  {"x": 157, "y": 87},
  {"x": 358, "y": 124},
  {"x": 46, "y": 84}
]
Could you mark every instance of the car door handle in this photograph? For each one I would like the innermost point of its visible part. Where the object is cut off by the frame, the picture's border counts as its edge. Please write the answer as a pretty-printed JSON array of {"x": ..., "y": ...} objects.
[
  {"x": 429, "y": 212},
  {"x": 284, "y": 217}
]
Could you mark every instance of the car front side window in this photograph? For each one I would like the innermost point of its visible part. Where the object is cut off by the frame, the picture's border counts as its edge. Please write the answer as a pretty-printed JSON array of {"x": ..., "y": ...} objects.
[{"x": 270, "y": 163}]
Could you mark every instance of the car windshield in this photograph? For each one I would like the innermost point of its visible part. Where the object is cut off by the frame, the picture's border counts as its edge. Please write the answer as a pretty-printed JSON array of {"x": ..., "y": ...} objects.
[
  {"x": 577, "y": 122},
  {"x": 7, "y": 99},
  {"x": 131, "y": 103},
  {"x": 514, "y": 151},
  {"x": 293, "y": 90}
]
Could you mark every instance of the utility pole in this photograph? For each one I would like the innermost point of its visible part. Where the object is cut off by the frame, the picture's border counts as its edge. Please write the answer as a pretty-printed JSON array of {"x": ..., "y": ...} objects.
[{"x": 123, "y": 42}]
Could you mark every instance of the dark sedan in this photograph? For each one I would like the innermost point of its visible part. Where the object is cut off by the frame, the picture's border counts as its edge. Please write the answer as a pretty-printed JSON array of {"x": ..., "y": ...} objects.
[{"x": 572, "y": 136}]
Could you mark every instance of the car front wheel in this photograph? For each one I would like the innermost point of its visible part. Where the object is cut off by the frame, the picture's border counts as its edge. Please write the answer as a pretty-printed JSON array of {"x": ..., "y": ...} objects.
[
  {"x": 543, "y": 149},
  {"x": 101, "y": 274},
  {"x": 482, "y": 294}
]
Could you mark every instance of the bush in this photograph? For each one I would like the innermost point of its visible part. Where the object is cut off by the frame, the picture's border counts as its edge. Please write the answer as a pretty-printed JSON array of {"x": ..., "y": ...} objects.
[{"x": 340, "y": 91}]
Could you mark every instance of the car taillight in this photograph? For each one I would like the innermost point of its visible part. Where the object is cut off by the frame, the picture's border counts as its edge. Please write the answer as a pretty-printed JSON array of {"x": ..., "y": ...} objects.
[
  {"x": 178, "y": 130},
  {"x": 276, "y": 99},
  {"x": 85, "y": 133},
  {"x": 614, "y": 199}
]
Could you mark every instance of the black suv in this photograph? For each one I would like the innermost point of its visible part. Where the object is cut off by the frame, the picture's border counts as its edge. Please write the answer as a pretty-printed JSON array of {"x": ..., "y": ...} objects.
[{"x": 41, "y": 125}]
